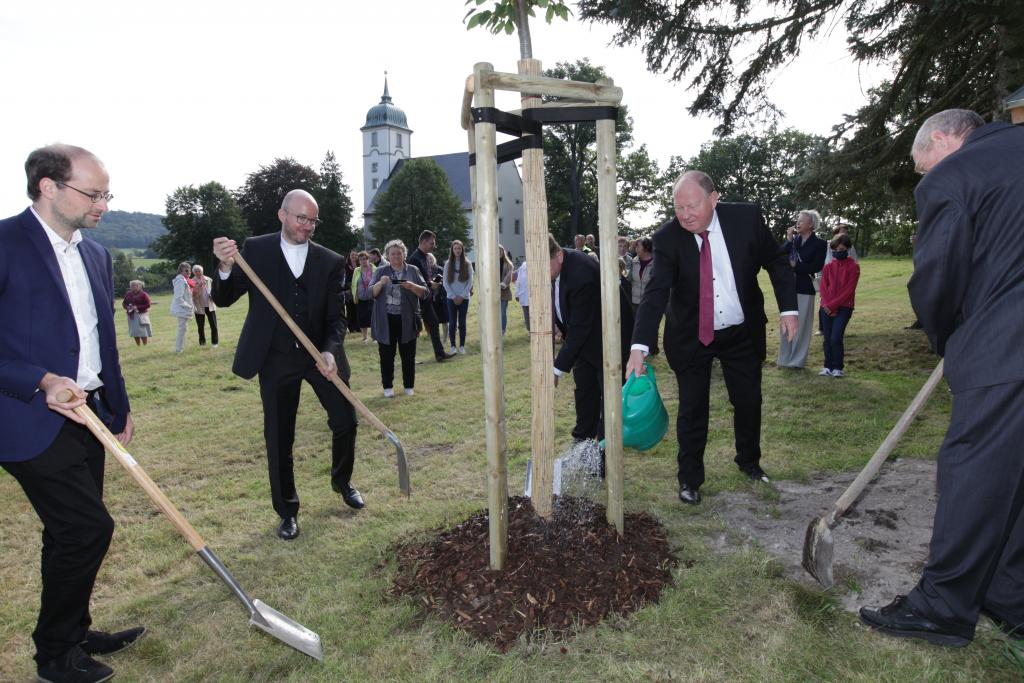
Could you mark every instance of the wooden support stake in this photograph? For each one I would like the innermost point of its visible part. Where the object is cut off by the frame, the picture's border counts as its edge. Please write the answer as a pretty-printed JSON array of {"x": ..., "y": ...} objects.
[
  {"x": 485, "y": 211},
  {"x": 538, "y": 271},
  {"x": 611, "y": 336},
  {"x": 535, "y": 85}
]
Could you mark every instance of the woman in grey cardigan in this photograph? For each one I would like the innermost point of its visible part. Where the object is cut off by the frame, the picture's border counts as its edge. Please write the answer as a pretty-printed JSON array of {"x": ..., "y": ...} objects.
[
  {"x": 181, "y": 303},
  {"x": 397, "y": 289}
]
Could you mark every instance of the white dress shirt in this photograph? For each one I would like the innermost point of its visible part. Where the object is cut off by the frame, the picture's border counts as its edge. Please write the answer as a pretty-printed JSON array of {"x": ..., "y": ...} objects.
[
  {"x": 295, "y": 255},
  {"x": 83, "y": 306},
  {"x": 728, "y": 310}
]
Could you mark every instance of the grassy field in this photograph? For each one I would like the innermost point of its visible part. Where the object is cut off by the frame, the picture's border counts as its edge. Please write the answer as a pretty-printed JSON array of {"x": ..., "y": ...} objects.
[{"x": 729, "y": 617}]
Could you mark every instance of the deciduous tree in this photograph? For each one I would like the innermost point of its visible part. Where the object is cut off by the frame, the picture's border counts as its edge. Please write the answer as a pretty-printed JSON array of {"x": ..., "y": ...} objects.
[
  {"x": 419, "y": 198},
  {"x": 260, "y": 197},
  {"x": 195, "y": 215}
]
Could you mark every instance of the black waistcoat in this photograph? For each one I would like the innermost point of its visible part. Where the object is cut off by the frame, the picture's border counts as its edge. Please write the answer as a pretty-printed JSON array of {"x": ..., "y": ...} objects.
[{"x": 294, "y": 298}]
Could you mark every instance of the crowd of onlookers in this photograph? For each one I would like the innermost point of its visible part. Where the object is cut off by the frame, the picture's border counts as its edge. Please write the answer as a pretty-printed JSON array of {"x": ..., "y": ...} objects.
[{"x": 385, "y": 297}]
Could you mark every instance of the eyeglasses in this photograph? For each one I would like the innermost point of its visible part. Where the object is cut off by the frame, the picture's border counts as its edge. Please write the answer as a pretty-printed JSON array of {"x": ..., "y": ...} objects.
[
  {"x": 302, "y": 219},
  {"x": 94, "y": 197}
]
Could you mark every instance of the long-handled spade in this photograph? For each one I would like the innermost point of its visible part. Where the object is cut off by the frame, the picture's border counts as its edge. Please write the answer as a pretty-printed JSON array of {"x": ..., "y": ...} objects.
[
  {"x": 818, "y": 544},
  {"x": 403, "y": 464},
  {"x": 261, "y": 616}
]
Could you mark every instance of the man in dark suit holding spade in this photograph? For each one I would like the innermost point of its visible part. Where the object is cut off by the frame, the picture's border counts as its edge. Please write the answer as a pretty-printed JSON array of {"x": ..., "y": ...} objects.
[{"x": 306, "y": 278}]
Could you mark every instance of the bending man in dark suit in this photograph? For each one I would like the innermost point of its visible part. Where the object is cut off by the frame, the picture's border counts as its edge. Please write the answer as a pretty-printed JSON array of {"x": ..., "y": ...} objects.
[
  {"x": 56, "y": 303},
  {"x": 306, "y": 278},
  {"x": 708, "y": 258},
  {"x": 576, "y": 279},
  {"x": 967, "y": 290}
]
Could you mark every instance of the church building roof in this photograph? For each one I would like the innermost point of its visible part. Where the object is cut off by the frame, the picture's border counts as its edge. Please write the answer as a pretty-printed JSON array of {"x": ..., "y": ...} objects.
[{"x": 385, "y": 113}]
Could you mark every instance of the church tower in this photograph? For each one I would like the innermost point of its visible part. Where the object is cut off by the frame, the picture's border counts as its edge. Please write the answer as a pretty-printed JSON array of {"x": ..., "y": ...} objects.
[{"x": 386, "y": 141}]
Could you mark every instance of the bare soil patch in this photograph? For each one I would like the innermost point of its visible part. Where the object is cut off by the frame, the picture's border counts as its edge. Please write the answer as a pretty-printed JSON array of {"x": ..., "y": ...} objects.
[
  {"x": 571, "y": 572},
  {"x": 881, "y": 544}
]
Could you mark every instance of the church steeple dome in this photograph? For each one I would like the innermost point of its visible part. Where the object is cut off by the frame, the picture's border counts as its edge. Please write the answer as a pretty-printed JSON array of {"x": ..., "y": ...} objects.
[{"x": 385, "y": 113}]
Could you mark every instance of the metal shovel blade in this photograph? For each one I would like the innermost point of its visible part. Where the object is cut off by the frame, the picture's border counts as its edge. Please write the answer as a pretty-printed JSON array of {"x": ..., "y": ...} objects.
[
  {"x": 817, "y": 554},
  {"x": 270, "y": 621}
]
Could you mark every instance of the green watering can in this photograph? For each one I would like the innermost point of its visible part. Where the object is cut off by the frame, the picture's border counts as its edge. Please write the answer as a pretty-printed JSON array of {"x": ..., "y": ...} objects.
[{"x": 644, "y": 418}]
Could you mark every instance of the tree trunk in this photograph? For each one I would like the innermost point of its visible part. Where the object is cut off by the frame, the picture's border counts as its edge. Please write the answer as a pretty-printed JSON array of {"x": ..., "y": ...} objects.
[{"x": 523, "y": 29}]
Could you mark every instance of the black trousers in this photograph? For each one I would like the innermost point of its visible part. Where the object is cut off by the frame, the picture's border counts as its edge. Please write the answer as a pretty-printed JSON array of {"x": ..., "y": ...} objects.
[
  {"x": 201, "y": 324},
  {"x": 64, "y": 483},
  {"x": 589, "y": 397},
  {"x": 280, "y": 384},
  {"x": 387, "y": 356},
  {"x": 741, "y": 367},
  {"x": 431, "y": 322},
  {"x": 976, "y": 557}
]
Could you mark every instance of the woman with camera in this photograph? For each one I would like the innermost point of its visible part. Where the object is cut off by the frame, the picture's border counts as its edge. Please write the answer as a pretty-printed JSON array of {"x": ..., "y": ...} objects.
[{"x": 397, "y": 289}]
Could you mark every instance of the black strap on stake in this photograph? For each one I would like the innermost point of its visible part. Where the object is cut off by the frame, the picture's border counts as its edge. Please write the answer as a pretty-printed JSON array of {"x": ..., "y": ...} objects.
[
  {"x": 531, "y": 122},
  {"x": 506, "y": 123},
  {"x": 513, "y": 149},
  {"x": 582, "y": 114}
]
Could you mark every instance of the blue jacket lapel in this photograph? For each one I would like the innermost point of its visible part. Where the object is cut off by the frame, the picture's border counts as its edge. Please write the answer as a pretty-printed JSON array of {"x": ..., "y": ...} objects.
[{"x": 37, "y": 236}]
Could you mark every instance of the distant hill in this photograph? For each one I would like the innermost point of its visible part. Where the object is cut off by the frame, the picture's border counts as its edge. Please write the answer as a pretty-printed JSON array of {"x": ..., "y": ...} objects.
[{"x": 128, "y": 229}]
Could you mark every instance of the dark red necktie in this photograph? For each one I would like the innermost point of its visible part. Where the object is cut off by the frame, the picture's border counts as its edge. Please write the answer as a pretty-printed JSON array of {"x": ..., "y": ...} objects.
[{"x": 706, "y": 325}]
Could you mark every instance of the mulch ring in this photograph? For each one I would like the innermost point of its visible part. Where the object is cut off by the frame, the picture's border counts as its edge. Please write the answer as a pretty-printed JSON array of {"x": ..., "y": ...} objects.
[{"x": 569, "y": 573}]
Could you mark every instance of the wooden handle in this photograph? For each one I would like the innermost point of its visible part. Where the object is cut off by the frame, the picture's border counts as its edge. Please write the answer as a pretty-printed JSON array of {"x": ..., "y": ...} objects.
[
  {"x": 868, "y": 473},
  {"x": 304, "y": 340},
  {"x": 115, "y": 448}
]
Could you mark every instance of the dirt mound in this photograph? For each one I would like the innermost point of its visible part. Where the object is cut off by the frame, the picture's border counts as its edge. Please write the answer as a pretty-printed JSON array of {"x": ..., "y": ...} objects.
[
  {"x": 881, "y": 545},
  {"x": 573, "y": 571}
]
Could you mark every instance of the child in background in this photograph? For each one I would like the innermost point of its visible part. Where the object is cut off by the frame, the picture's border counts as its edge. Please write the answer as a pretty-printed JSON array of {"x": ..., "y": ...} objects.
[{"x": 838, "y": 285}]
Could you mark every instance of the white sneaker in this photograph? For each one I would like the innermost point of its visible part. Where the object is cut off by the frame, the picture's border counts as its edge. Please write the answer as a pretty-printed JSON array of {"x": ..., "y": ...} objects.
[
  {"x": 462, "y": 350},
  {"x": 825, "y": 372},
  {"x": 408, "y": 391},
  {"x": 389, "y": 393},
  {"x": 452, "y": 351},
  {"x": 215, "y": 345},
  {"x": 838, "y": 373}
]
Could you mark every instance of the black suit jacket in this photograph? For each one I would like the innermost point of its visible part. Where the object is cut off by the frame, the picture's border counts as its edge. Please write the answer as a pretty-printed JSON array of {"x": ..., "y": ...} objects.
[
  {"x": 579, "y": 299},
  {"x": 674, "y": 288},
  {"x": 968, "y": 282},
  {"x": 324, "y": 272}
]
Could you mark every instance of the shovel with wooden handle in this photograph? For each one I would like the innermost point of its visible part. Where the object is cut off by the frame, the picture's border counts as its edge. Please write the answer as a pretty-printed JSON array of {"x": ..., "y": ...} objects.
[
  {"x": 261, "y": 616},
  {"x": 818, "y": 544},
  {"x": 403, "y": 464}
]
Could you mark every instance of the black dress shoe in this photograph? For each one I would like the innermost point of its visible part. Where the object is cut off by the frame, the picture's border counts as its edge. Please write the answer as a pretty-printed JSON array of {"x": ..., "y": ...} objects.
[
  {"x": 755, "y": 473},
  {"x": 101, "y": 643},
  {"x": 352, "y": 497},
  {"x": 288, "y": 529},
  {"x": 74, "y": 666},
  {"x": 899, "y": 619},
  {"x": 688, "y": 494},
  {"x": 445, "y": 356}
]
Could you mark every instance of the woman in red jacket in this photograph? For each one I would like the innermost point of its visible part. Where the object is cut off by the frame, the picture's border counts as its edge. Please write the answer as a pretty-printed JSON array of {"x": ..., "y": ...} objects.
[{"x": 838, "y": 284}]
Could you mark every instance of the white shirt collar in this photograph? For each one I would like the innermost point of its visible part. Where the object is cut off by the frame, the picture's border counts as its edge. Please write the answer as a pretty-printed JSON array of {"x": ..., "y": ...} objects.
[
  {"x": 288, "y": 247},
  {"x": 54, "y": 238}
]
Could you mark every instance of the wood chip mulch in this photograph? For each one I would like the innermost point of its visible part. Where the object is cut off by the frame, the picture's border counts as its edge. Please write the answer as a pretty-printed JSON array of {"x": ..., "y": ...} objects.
[{"x": 568, "y": 573}]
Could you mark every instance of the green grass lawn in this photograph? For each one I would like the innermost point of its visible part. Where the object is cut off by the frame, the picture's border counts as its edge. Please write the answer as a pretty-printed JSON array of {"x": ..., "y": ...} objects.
[{"x": 729, "y": 617}]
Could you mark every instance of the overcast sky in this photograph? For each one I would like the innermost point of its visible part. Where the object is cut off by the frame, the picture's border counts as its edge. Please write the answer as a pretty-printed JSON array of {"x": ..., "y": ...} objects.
[{"x": 172, "y": 94}]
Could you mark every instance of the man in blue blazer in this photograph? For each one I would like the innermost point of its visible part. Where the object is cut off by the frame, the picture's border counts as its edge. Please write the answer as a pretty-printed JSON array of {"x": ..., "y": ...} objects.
[
  {"x": 56, "y": 303},
  {"x": 968, "y": 293},
  {"x": 720, "y": 317}
]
